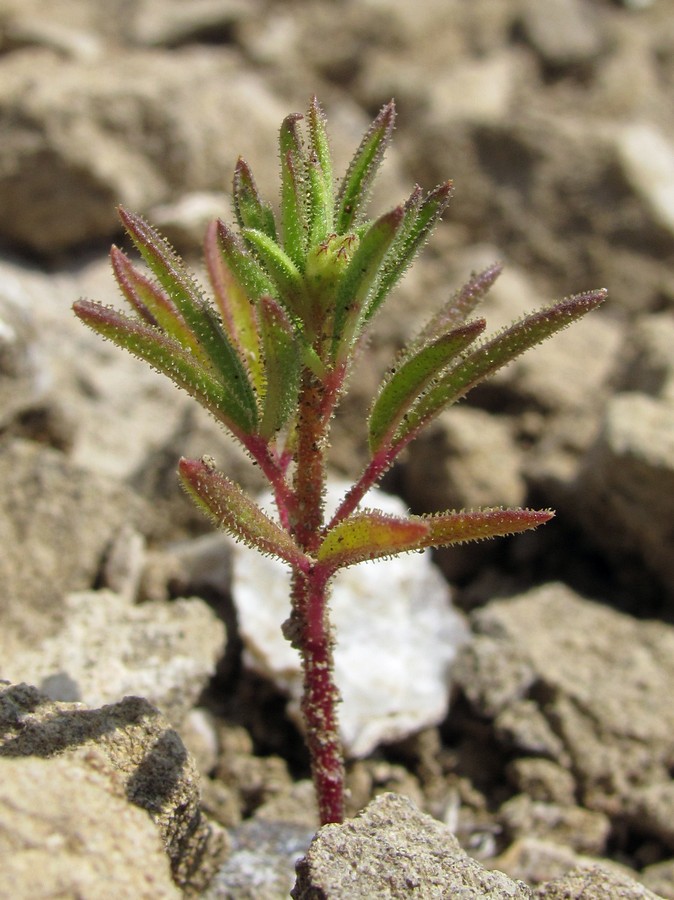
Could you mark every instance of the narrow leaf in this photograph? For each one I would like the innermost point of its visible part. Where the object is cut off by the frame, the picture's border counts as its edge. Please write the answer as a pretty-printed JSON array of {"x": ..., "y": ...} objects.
[
  {"x": 244, "y": 267},
  {"x": 430, "y": 211},
  {"x": 293, "y": 199},
  {"x": 282, "y": 362},
  {"x": 462, "y": 303},
  {"x": 288, "y": 282},
  {"x": 143, "y": 295},
  {"x": 321, "y": 187},
  {"x": 319, "y": 139},
  {"x": 475, "y": 525},
  {"x": 232, "y": 509},
  {"x": 251, "y": 211},
  {"x": 200, "y": 317},
  {"x": 167, "y": 356},
  {"x": 419, "y": 220},
  {"x": 413, "y": 376},
  {"x": 152, "y": 303},
  {"x": 354, "y": 190},
  {"x": 321, "y": 202},
  {"x": 238, "y": 311},
  {"x": 360, "y": 276},
  {"x": 494, "y": 354},
  {"x": 370, "y": 534}
]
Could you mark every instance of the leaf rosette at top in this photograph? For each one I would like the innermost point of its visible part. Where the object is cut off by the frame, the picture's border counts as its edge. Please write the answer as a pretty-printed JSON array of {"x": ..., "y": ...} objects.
[{"x": 323, "y": 268}]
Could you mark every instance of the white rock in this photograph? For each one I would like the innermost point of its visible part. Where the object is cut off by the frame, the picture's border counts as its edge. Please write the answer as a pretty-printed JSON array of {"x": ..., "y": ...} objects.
[{"x": 397, "y": 635}]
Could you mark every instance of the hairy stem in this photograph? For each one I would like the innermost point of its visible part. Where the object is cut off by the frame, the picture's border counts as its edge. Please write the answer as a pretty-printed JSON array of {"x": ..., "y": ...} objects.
[
  {"x": 309, "y": 627},
  {"x": 320, "y": 696},
  {"x": 274, "y": 470}
]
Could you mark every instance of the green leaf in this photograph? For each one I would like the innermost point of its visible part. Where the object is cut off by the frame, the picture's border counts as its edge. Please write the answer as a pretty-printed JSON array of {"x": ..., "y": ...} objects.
[
  {"x": 293, "y": 197},
  {"x": 359, "y": 277},
  {"x": 420, "y": 218},
  {"x": 251, "y": 211},
  {"x": 462, "y": 303},
  {"x": 321, "y": 199},
  {"x": 152, "y": 303},
  {"x": 320, "y": 145},
  {"x": 288, "y": 282},
  {"x": 369, "y": 534},
  {"x": 354, "y": 189},
  {"x": 200, "y": 317},
  {"x": 282, "y": 362},
  {"x": 167, "y": 356},
  {"x": 493, "y": 355},
  {"x": 245, "y": 269},
  {"x": 408, "y": 380},
  {"x": 320, "y": 181},
  {"x": 236, "y": 513},
  {"x": 238, "y": 311},
  {"x": 459, "y": 527}
]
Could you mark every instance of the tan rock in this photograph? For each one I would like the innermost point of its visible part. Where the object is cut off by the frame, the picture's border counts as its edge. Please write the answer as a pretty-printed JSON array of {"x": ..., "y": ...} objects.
[{"x": 64, "y": 832}]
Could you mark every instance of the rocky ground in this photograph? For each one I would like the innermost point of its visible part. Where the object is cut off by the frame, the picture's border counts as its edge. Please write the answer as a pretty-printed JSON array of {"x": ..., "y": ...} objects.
[{"x": 551, "y": 774}]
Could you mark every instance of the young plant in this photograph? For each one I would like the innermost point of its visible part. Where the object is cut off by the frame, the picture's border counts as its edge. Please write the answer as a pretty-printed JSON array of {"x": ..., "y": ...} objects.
[{"x": 269, "y": 355}]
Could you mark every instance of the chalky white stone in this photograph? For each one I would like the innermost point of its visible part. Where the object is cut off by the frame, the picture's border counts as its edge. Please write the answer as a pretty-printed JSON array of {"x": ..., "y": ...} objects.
[{"x": 396, "y": 630}]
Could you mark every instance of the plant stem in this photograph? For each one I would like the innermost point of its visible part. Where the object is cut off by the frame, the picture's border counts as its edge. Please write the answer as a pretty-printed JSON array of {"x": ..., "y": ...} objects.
[
  {"x": 309, "y": 627},
  {"x": 320, "y": 695},
  {"x": 273, "y": 469}
]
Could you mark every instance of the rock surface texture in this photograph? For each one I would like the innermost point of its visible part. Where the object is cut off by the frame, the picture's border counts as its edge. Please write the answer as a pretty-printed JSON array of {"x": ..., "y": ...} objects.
[
  {"x": 393, "y": 851},
  {"x": 65, "y": 833},
  {"x": 551, "y": 774},
  {"x": 127, "y": 750}
]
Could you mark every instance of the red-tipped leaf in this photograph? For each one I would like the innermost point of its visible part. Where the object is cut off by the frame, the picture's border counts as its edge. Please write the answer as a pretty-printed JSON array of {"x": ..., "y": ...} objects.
[
  {"x": 486, "y": 359},
  {"x": 151, "y": 302},
  {"x": 462, "y": 303},
  {"x": 199, "y": 315},
  {"x": 476, "y": 525},
  {"x": 167, "y": 356},
  {"x": 412, "y": 376},
  {"x": 251, "y": 210},
  {"x": 232, "y": 509}
]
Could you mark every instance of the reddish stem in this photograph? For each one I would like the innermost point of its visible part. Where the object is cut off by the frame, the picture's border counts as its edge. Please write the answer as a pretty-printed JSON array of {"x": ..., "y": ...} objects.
[
  {"x": 380, "y": 462},
  {"x": 309, "y": 627},
  {"x": 274, "y": 470},
  {"x": 320, "y": 695}
]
